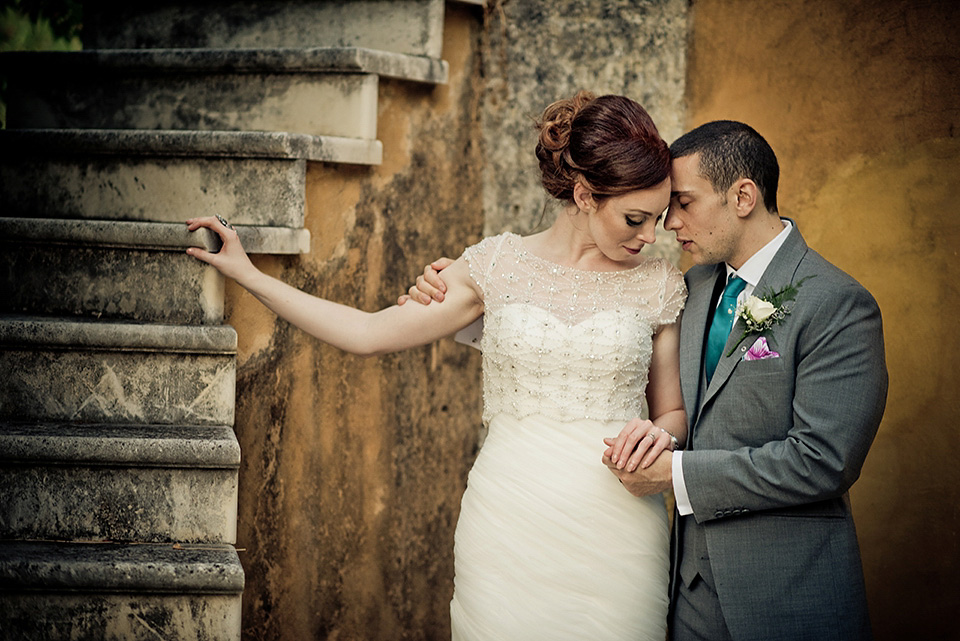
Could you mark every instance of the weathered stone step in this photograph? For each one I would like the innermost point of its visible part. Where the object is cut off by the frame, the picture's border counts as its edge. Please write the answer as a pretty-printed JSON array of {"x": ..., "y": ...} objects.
[
  {"x": 321, "y": 92},
  {"x": 118, "y": 482},
  {"x": 121, "y": 270},
  {"x": 113, "y": 372},
  {"x": 251, "y": 178},
  {"x": 409, "y": 26},
  {"x": 111, "y": 592}
]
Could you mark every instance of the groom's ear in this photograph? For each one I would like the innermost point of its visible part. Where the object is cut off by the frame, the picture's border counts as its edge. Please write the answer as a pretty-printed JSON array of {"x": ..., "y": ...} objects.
[{"x": 746, "y": 196}]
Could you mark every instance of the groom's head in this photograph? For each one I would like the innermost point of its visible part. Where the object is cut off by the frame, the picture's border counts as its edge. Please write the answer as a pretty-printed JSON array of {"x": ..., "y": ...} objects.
[
  {"x": 724, "y": 182},
  {"x": 730, "y": 150}
]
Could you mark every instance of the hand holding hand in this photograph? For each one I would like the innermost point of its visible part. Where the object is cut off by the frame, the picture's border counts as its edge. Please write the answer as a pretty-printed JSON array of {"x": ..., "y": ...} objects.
[
  {"x": 429, "y": 284},
  {"x": 656, "y": 478},
  {"x": 639, "y": 444},
  {"x": 231, "y": 261}
]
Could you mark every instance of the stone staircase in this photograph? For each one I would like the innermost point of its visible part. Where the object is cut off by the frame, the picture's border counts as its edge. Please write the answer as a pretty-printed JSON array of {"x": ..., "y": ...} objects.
[{"x": 118, "y": 460}]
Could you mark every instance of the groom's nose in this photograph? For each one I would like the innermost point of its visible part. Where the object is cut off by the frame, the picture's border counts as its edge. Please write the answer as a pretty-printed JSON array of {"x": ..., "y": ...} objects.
[{"x": 671, "y": 221}]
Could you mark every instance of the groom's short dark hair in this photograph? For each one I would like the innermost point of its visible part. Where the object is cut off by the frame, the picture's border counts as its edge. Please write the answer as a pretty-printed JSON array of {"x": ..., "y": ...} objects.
[{"x": 730, "y": 150}]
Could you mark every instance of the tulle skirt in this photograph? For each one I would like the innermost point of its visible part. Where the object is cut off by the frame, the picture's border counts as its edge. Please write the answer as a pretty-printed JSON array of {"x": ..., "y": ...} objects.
[{"x": 549, "y": 545}]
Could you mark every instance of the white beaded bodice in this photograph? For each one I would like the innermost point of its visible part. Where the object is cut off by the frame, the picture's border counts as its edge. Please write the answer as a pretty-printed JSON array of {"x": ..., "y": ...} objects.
[{"x": 566, "y": 343}]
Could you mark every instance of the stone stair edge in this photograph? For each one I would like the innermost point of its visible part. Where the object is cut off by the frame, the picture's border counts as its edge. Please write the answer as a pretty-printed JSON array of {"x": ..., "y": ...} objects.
[
  {"x": 408, "y": 26},
  {"x": 281, "y": 60},
  {"x": 18, "y": 143},
  {"x": 146, "y": 235},
  {"x": 106, "y": 445},
  {"x": 120, "y": 567},
  {"x": 89, "y": 334}
]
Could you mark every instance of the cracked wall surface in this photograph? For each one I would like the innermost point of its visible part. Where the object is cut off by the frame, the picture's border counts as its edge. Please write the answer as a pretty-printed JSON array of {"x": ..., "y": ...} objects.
[
  {"x": 353, "y": 468},
  {"x": 117, "y": 387}
]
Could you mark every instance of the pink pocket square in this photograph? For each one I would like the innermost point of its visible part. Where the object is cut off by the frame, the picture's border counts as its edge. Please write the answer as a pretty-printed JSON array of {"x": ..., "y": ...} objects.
[{"x": 760, "y": 351}]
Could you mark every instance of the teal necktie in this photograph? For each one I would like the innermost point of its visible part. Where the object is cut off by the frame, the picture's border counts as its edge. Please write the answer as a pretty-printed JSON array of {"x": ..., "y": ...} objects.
[{"x": 722, "y": 323}]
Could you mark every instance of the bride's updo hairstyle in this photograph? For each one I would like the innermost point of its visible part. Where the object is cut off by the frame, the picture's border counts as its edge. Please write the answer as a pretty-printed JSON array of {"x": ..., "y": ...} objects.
[{"x": 609, "y": 144}]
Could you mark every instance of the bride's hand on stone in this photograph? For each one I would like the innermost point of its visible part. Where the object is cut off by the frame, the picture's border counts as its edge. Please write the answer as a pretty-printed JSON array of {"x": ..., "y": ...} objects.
[
  {"x": 231, "y": 260},
  {"x": 429, "y": 284},
  {"x": 639, "y": 444}
]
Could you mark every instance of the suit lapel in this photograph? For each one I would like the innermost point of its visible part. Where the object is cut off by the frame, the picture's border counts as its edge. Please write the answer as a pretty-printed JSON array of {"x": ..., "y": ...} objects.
[
  {"x": 778, "y": 274},
  {"x": 693, "y": 327}
]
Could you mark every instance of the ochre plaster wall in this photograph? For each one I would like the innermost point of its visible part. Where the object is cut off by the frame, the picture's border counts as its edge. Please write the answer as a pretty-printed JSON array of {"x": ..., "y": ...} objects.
[
  {"x": 861, "y": 101},
  {"x": 353, "y": 469}
]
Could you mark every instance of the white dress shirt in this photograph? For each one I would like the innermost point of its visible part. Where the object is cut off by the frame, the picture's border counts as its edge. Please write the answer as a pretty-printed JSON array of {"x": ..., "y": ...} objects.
[{"x": 751, "y": 272}]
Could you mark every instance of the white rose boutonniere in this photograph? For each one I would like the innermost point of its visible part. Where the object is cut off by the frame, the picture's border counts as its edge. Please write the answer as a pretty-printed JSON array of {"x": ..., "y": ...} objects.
[
  {"x": 760, "y": 313},
  {"x": 757, "y": 309}
]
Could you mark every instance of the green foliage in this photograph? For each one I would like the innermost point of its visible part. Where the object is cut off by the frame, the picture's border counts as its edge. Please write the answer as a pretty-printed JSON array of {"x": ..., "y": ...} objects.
[
  {"x": 788, "y": 293},
  {"x": 38, "y": 25}
]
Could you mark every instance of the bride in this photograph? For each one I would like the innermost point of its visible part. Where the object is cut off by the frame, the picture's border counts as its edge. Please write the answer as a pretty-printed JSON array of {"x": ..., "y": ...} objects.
[{"x": 580, "y": 336}]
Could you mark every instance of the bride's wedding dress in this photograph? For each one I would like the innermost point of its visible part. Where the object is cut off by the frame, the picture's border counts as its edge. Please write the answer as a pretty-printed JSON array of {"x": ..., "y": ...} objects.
[{"x": 549, "y": 545}]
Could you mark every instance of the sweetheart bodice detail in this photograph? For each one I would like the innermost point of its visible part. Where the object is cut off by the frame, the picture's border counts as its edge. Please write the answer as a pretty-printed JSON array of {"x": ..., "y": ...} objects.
[{"x": 566, "y": 343}]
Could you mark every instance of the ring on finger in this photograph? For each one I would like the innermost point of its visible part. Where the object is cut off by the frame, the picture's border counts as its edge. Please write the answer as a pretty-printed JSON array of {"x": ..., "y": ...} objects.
[
  {"x": 223, "y": 221},
  {"x": 653, "y": 437}
]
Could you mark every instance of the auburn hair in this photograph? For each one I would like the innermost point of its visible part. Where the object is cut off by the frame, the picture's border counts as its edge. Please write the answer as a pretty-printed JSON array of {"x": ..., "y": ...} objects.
[{"x": 609, "y": 144}]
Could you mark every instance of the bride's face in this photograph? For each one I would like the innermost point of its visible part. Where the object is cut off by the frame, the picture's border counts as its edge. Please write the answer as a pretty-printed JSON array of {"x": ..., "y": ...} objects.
[{"x": 622, "y": 225}]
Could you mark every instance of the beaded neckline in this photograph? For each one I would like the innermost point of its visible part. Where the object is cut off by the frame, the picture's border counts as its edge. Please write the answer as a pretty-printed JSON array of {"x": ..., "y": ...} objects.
[{"x": 523, "y": 252}]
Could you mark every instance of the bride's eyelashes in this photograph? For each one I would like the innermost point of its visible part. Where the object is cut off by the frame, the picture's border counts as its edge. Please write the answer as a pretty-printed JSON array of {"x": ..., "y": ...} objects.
[{"x": 634, "y": 222}]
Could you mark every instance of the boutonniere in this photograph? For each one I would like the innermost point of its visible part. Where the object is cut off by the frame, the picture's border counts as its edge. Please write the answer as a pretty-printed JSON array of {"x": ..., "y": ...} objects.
[{"x": 760, "y": 313}]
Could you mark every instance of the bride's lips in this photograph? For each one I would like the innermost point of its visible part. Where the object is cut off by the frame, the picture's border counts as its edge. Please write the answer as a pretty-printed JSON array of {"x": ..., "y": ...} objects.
[{"x": 633, "y": 251}]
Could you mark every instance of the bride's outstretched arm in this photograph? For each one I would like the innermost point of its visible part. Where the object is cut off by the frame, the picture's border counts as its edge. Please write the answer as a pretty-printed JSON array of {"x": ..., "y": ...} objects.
[{"x": 352, "y": 330}]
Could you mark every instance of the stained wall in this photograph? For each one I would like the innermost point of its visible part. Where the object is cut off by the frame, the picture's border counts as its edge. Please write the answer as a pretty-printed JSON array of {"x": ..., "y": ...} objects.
[
  {"x": 861, "y": 101},
  {"x": 353, "y": 469},
  {"x": 539, "y": 51}
]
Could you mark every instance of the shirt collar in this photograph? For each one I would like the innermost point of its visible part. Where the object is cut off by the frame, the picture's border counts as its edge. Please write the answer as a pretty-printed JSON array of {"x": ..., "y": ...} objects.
[{"x": 752, "y": 270}]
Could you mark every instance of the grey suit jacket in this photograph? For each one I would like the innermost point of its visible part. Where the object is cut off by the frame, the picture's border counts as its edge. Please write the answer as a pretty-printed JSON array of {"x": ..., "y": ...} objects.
[{"x": 774, "y": 446}]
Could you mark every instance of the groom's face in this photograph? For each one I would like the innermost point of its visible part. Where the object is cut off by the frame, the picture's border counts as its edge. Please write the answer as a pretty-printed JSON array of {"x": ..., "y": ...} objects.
[{"x": 702, "y": 219}]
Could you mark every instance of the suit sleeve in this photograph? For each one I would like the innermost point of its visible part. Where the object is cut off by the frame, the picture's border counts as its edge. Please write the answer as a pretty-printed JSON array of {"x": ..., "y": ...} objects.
[{"x": 820, "y": 419}]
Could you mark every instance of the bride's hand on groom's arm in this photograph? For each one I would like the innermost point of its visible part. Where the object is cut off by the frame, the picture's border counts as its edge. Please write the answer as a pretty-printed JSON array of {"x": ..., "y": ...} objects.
[{"x": 429, "y": 284}]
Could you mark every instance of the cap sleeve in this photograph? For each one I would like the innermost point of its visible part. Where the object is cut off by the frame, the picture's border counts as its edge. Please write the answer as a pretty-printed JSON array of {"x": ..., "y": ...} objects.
[
  {"x": 481, "y": 259},
  {"x": 674, "y": 295}
]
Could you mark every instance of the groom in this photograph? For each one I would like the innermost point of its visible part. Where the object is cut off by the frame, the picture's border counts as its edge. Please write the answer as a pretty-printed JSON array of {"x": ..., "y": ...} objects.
[{"x": 780, "y": 420}]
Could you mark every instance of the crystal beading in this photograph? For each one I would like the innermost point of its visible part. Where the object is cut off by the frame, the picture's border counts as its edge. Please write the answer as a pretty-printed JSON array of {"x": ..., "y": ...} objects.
[{"x": 566, "y": 343}]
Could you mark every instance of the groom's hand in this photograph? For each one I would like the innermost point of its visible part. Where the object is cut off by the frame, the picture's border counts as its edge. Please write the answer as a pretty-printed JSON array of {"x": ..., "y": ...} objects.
[
  {"x": 429, "y": 284},
  {"x": 645, "y": 481}
]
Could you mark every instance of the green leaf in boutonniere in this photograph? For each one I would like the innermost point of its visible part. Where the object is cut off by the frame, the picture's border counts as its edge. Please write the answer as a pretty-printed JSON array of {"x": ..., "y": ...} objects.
[{"x": 760, "y": 313}]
